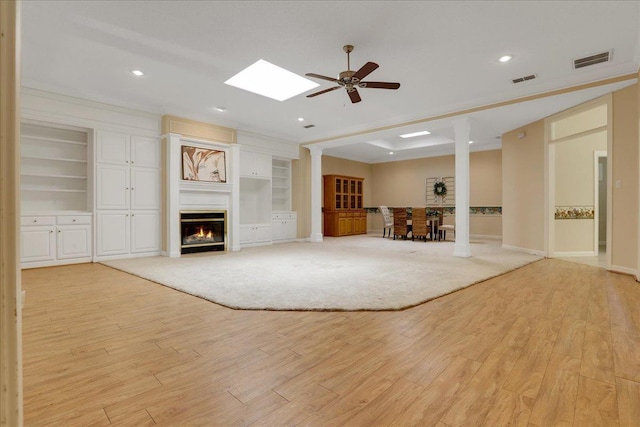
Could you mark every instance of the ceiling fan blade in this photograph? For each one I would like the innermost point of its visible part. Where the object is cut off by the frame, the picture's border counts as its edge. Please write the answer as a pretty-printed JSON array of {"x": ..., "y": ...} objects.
[
  {"x": 379, "y": 85},
  {"x": 318, "y": 76},
  {"x": 354, "y": 95},
  {"x": 365, "y": 70},
  {"x": 323, "y": 91}
]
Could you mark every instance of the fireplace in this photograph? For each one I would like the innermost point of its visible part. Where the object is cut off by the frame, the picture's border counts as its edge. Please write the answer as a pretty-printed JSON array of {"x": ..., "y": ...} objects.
[{"x": 203, "y": 231}]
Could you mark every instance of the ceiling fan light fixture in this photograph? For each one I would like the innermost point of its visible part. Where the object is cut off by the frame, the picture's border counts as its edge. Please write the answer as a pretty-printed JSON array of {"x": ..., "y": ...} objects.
[
  {"x": 352, "y": 80},
  {"x": 413, "y": 134},
  {"x": 266, "y": 79}
]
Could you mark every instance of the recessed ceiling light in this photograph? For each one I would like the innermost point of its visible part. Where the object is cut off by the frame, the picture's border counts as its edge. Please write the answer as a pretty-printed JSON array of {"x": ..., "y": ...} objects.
[
  {"x": 505, "y": 58},
  {"x": 411, "y": 135},
  {"x": 137, "y": 73},
  {"x": 221, "y": 109},
  {"x": 391, "y": 152},
  {"x": 470, "y": 142},
  {"x": 301, "y": 119},
  {"x": 271, "y": 81}
]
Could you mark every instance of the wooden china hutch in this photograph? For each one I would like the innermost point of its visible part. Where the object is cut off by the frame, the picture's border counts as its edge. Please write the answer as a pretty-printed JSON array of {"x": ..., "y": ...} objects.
[{"x": 344, "y": 214}]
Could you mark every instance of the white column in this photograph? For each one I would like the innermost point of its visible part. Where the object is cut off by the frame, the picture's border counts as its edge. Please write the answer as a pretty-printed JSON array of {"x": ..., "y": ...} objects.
[
  {"x": 174, "y": 165},
  {"x": 233, "y": 227},
  {"x": 462, "y": 129},
  {"x": 316, "y": 194}
]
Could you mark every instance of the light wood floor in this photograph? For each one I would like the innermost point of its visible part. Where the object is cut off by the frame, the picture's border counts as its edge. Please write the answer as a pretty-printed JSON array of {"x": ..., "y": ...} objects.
[{"x": 553, "y": 343}]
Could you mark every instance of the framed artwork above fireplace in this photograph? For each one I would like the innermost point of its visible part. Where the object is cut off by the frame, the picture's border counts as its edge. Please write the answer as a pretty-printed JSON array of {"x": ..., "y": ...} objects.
[{"x": 203, "y": 164}]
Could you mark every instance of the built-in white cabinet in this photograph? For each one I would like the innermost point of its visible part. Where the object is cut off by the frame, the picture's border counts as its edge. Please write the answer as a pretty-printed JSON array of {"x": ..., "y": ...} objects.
[
  {"x": 122, "y": 187},
  {"x": 255, "y": 198},
  {"x": 254, "y": 234},
  {"x": 128, "y": 194},
  {"x": 55, "y": 190},
  {"x": 284, "y": 227},
  {"x": 55, "y": 239},
  {"x": 255, "y": 165},
  {"x": 123, "y": 149},
  {"x": 255, "y": 211},
  {"x": 127, "y": 232}
]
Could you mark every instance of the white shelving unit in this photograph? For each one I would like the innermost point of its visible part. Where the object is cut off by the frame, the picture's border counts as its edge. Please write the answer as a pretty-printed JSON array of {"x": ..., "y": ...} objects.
[
  {"x": 54, "y": 168},
  {"x": 281, "y": 185},
  {"x": 283, "y": 220},
  {"x": 55, "y": 187}
]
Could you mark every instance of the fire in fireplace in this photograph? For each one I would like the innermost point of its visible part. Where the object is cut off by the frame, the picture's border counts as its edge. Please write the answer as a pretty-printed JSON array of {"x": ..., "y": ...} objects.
[{"x": 203, "y": 231}]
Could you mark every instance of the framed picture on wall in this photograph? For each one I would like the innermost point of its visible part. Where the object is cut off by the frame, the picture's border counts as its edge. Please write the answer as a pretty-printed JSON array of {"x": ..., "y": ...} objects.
[{"x": 203, "y": 164}]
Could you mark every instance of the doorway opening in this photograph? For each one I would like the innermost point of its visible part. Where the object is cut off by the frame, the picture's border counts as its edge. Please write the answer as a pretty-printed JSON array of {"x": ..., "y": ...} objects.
[{"x": 578, "y": 186}]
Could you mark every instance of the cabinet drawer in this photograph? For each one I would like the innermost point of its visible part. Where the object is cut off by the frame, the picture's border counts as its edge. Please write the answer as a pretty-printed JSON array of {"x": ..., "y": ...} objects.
[
  {"x": 74, "y": 220},
  {"x": 37, "y": 220},
  {"x": 283, "y": 216}
]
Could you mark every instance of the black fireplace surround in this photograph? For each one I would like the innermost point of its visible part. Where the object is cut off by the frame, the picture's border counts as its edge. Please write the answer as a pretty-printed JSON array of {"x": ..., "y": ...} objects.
[{"x": 203, "y": 231}]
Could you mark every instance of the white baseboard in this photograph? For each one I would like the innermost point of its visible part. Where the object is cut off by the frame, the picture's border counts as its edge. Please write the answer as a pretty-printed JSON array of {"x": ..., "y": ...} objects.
[
  {"x": 565, "y": 254},
  {"x": 526, "y": 250},
  {"x": 122, "y": 256},
  {"x": 486, "y": 236},
  {"x": 624, "y": 270}
]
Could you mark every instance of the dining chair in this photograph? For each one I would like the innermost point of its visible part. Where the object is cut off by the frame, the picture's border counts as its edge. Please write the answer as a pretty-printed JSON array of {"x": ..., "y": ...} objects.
[
  {"x": 400, "y": 227},
  {"x": 443, "y": 228},
  {"x": 420, "y": 227},
  {"x": 388, "y": 222}
]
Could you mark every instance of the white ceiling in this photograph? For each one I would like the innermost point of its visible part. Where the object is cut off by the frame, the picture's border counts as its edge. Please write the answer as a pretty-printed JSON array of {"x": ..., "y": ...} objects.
[{"x": 444, "y": 54}]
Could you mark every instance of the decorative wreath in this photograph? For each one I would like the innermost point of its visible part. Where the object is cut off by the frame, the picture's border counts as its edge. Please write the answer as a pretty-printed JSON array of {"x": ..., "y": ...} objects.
[{"x": 440, "y": 189}]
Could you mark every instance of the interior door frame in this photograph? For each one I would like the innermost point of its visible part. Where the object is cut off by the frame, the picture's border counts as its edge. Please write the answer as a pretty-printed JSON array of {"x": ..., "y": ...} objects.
[
  {"x": 549, "y": 175},
  {"x": 597, "y": 155}
]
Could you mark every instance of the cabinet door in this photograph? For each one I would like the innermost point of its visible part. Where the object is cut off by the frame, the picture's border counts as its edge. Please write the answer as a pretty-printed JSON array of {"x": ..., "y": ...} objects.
[
  {"x": 145, "y": 188},
  {"x": 113, "y": 187},
  {"x": 74, "y": 241},
  {"x": 263, "y": 233},
  {"x": 290, "y": 229},
  {"x": 145, "y": 152},
  {"x": 113, "y": 233},
  {"x": 113, "y": 147},
  {"x": 262, "y": 165},
  {"x": 247, "y": 234},
  {"x": 344, "y": 226},
  {"x": 145, "y": 232},
  {"x": 255, "y": 165},
  {"x": 277, "y": 229},
  {"x": 37, "y": 243},
  {"x": 246, "y": 164}
]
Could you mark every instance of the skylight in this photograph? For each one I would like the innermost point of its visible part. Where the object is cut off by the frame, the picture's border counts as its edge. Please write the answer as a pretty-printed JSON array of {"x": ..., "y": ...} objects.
[
  {"x": 266, "y": 79},
  {"x": 411, "y": 135}
]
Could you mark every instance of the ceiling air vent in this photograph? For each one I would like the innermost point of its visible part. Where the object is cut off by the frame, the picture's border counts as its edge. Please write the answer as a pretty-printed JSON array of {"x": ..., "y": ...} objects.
[
  {"x": 309, "y": 126},
  {"x": 598, "y": 58},
  {"x": 524, "y": 79}
]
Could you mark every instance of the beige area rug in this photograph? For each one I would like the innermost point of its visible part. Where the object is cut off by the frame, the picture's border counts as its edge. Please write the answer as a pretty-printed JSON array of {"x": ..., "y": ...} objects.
[{"x": 365, "y": 272}]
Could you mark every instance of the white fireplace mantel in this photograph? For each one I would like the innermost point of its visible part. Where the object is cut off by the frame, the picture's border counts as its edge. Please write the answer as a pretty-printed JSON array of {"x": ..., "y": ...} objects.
[{"x": 189, "y": 195}]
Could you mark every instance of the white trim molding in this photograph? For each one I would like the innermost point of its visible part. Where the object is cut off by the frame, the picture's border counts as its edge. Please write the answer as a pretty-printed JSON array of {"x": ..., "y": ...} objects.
[{"x": 525, "y": 250}]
